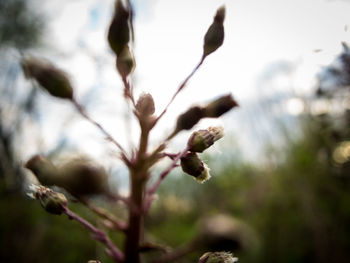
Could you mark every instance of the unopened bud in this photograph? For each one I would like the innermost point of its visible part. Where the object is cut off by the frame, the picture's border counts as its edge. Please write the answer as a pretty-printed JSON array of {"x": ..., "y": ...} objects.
[
  {"x": 214, "y": 37},
  {"x": 188, "y": 119},
  {"x": 193, "y": 165},
  {"x": 125, "y": 62},
  {"x": 43, "y": 169},
  {"x": 220, "y": 106},
  {"x": 50, "y": 200},
  {"x": 52, "y": 79},
  {"x": 145, "y": 105},
  {"x": 119, "y": 32},
  {"x": 82, "y": 177},
  {"x": 203, "y": 139},
  {"x": 217, "y": 257}
]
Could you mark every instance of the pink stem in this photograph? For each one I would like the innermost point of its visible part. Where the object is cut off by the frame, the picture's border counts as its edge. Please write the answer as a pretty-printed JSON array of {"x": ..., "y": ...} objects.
[
  {"x": 98, "y": 235},
  {"x": 183, "y": 84}
]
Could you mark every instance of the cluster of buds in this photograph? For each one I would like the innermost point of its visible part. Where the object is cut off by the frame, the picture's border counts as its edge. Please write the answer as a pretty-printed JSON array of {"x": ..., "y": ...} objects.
[
  {"x": 198, "y": 142},
  {"x": 79, "y": 177},
  {"x": 217, "y": 257},
  {"x": 53, "y": 202},
  {"x": 214, "y": 109},
  {"x": 119, "y": 38},
  {"x": 50, "y": 78}
]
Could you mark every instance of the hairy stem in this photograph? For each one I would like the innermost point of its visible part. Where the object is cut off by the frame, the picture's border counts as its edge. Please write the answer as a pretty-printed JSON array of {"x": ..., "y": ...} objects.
[{"x": 98, "y": 235}]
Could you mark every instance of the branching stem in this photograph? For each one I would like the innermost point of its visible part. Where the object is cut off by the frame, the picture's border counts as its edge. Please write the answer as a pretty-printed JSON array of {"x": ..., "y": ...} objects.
[{"x": 98, "y": 235}]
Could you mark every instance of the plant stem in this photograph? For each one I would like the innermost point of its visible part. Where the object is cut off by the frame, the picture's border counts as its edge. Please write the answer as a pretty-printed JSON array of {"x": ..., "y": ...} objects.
[
  {"x": 176, "y": 254},
  {"x": 139, "y": 175},
  {"x": 182, "y": 85},
  {"x": 98, "y": 235},
  {"x": 82, "y": 111}
]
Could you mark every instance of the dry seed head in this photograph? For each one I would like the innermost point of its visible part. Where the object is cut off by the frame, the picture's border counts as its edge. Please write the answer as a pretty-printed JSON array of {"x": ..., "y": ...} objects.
[
  {"x": 214, "y": 37},
  {"x": 119, "y": 31},
  {"x": 203, "y": 139},
  {"x": 193, "y": 165},
  {"x": 217, "y": 257},
  {"x": 53, "y": 202},
  {"x": 125, "y": 62},
  {"x": 52, "y": 79},
  {"x": 220, "y": 106}
]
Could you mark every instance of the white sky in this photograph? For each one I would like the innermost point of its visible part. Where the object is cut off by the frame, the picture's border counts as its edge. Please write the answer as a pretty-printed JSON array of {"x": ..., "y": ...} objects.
[{"x": 169, "y": 39}]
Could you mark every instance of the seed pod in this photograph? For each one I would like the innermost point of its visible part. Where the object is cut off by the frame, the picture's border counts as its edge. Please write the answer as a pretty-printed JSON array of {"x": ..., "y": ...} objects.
[
  {"x": 220, "y": 106},
  {"x": 52, "y": 79},
  {"x": 125, "y": 62},
  {"x": 203, "y": 139},
  {"x": 83, "y": 178},
  {"x": 192, "y": 165},
  {"x": 53, "y": 202},
  {"x": 119, "y": 32},
  {"x": 43, "y": 169},
  {"x": 145, "y": 105},
  {"x": 214, "y": 37},
  {"x": 217, "y": 257}
]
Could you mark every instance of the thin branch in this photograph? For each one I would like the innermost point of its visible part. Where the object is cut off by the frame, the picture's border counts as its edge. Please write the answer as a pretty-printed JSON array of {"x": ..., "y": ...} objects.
[
  {"x": 98, "y": 235},
  {"x": 149, "y": 198},
  {"x": 181, "y": 87},
  {"x": 128, "y": 91},
  {"x": 118, "y": 224},
  {"x": 82, "y": 111}
]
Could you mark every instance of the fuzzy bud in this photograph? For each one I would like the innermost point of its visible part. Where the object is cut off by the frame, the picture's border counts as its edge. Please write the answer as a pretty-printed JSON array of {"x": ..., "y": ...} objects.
[
  {"x": 82, "y": 177},
  {"x": 50, "y": 78},
  {"x": 217, "y": 257},
  {"x": 220, "y": 106},
  {"x": 193, "y": 165},
  {"x": 203, "y": 139},
  {"x": 145, "y": 105},
  {"x": 50, "y": 200},
  {"x": 43, "y": 169},
  {"x": 119, "y": 32},
  {"x": 125, "y": 62},
  {"x": 214, "y": 37}
]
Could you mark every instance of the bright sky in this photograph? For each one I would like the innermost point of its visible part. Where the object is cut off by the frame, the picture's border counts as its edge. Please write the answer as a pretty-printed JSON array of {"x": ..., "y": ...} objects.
[{"x": 169, "y": 38}]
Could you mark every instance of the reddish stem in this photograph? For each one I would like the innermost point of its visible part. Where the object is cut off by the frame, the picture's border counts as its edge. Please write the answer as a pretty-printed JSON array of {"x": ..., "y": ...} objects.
[{"x": 98, "y": 235}]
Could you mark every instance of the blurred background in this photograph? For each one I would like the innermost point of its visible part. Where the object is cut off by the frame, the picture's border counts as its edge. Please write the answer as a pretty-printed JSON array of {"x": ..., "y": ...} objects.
[{"x": 280, "y": 177}]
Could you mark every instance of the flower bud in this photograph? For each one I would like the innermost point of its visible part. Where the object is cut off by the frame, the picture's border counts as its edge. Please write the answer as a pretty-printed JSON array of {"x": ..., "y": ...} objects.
[
  {"x": 193, "y": 165},
  {"x": 145, "y": 105},
  {"x": 82, "y": 177},
  {"x": 50, "y": 200},
  {"x": 43, "y": 169},
  {"x": 225, "y": 233},
  {"x": 125, "y": 62},
  {"x": 52, "y": 79},
  {"x": 119, "y": 32},
  {"x": 203, "y": 139},
  {"x": 189, "y": 118},
  {"x": 214, "y": 37},
  {"x": 217, "y": 257},
  {"x": 220, "y": 106}
]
